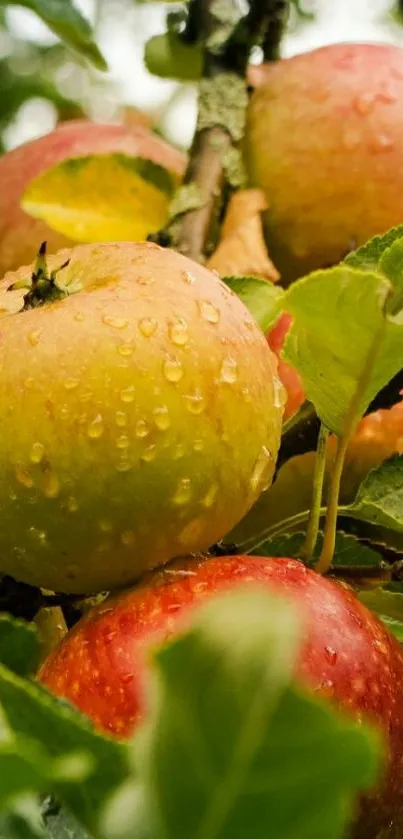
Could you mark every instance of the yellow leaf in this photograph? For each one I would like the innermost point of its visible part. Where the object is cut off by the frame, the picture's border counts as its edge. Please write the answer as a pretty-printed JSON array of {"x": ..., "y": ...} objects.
[
  {"x": 242, "y": 250},
  {"x": 101, "y": 198}
]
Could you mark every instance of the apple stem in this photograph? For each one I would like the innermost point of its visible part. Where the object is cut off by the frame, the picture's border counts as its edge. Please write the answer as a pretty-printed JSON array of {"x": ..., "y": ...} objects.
[
  {"x": 42, "y": 287},
  {"x": 317, "y": 492}
]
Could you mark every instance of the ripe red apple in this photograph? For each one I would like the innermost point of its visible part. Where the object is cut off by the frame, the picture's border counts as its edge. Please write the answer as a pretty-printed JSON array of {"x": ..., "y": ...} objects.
[
  {"x": 122, "y": 408},
  {"x": 21, "y": 235},
  {"x": 324, "y": 142},
  {"x": 289, "y": 377},
  {"x": 347, "y": 655}
]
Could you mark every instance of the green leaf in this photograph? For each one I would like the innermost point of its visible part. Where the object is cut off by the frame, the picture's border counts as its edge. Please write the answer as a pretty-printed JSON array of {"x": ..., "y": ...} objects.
[
  {"x": 379, "y": 499},
  {"x": 231, "y": 737},
  {"x": 395, "y": 627},
  {"x": 261, "y": 297},
  {"x": 388, "y": 606},
  {"x": 66, "y": 21},
  {"x": 27, "y": 768},
  {"x": 19, "y": 649},
  {"x": 170, "y": 57},
  {"x": 60, "y": 732},
  {"x": 343, "y": 341},
  {"x": 348, "y": 550},
  {"x": 368, "y": 256}
]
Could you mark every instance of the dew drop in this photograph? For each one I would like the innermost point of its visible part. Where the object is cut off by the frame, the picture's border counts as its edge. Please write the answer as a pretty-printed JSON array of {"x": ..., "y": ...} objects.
[
  {"x": 210, "y": 496},
  {"x": 29, "y": 382},
  {"x": 117, "y": 323},
  {"x": 121, "y": 419},
  {"x": 24, "y": 478},
  {"x": 126, "y": 678},
  {"x": 126, "y": 349},
  {"x": 127, "y": 538},
  {"x": 109, "y": 635},
  {"x": 172, "y": 370},
  {"x": 147, "y": 326},
  {"x": 123, "y": 465},
  {"x": 149, "y": 453},
  {"x": 178, "y": 452},
  {"x": 209, "y": 312},
  {"x": 262, "y": 471},
  {"x": 188, "y": 277},
  {"x": 96, "y": 428},
  {"x": 72, "y": 504},
  {"x": 64, "y": 412},
  {"x": 37, "y": 452},
  {"x": 38, "y": 535},
  {"x": 123, "y": 442},
  {"x": 162, "y": 418},
  {"x": 195, "y": 402},
  {"x": 364, "y": 103},
  {"x": 106, "y": 526},
  {"x": 34, "y": 337},
  {"x": 71, "y": 383},
  {"x": 127, "y": 394},
  {"x": 78, "y": 316},
  {"x": 142, "y": 428},
  {"x": 381, "y": 143},
  {"x": 145, "y": 280},
  {"x": 178, "y": 332},
  {"x": 331, "y": 655},
  {"x": 229, "y": 371},
  {"x": 198, "y": 445},
  {"x": 51, "y": 487},
  {"x": 279, "y": 393},
  {"x": 183, "y": 492}
]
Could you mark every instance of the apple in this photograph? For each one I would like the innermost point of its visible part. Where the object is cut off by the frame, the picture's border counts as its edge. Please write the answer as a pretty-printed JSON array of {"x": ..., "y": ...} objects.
[
  {"x": 289, "y": 377},
  {"x": 324, "y": 142},
  {"x": 347, "y": 655},
  {"x": 21, "y": 235},
  {"x": 132, "y": 429}
]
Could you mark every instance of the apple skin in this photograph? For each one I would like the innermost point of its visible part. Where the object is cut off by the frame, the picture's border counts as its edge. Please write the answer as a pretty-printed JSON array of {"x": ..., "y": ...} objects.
[
  {"x": 324, "y": 143},
  {"x": 289, "y": 377},
  {"x": 122, "y": 408},
  {"x": 21, "y": 235},
  {"x": 347, "y": 655}
]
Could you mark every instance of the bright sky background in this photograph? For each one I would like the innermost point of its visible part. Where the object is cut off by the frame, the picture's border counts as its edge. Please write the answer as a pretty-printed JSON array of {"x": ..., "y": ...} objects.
[{"x": 337, "y": 20}]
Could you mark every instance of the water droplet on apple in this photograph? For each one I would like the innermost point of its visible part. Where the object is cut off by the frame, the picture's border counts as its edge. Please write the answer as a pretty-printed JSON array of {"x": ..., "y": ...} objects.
[
  {"x": 147, "y": 326},
  {"x": 34, "y": 337},
  {"x": 123, "y": 441},
  {"x": 127, "y": 538},
  {"x": 71, "y": 383},
  {"x": 121, "y": 419},
  {"x": 381, "y": 143},
  {"x": 115, "y": 322},
  {"x": 198, "y": 445},
  {"x": 96, "y": 428},
  {"x": 195, "y": 402},
  {"x": 149, "y": 453},
  {"x": 38, "y": 535},
  {"x": 211, "y": 495},
  {"x": 127, "y": 394},
  {"x": 123, "y": 465},
  {"x": 37, "y": 452},
  {"x": 51, "y": 487},
  {"x": 106, "y": 526},
  {"x": 209, "y": 312},
  {"x": 262, "y": 471},
  {"x": 229, "y": 371},
  {"x": 161, "y": 417},
  {"x": 183, "y": 492},
  {"x": 331, "y": 655},
  {"x": 178, "y": 332},
  {"x": 126, "y": 349},
  {"x": 78, "y": 316},
  {"x": 364, "y": 103},
  {"x": 188, "y": 277},
  {"x": 72, "y": 504},
  {"x": 172, "y": 370},
  {"x": 142, "y": 428},
  {"x": 126, "y": 678},
  {"x": 178, "y": 452},
  {"x": 23, "y": 477}
]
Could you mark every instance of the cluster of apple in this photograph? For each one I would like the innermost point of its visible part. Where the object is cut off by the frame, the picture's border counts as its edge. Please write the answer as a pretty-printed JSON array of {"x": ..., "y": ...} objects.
[{"x": 141, "y": 406}]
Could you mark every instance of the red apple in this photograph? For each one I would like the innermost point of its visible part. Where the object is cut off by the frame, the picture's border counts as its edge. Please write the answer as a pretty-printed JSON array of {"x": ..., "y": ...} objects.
[
  {"x": 287, "y": 374},
  {"x": 324, "y": 142},
  {"x": 347, "y": 655},
  {"x": 21, "y": 235}
]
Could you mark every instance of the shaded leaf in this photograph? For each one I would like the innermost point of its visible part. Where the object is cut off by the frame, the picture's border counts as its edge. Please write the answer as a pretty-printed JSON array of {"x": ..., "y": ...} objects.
[
  {"x": 231, "y": 737},
  {"x": 66, "y": 21},
  {"x": 395, "y": 627},
  {"x": 263, "y": 299},
  {"x": 368, "y": 256},
  {"x": 98, "y": 198},
  {"x": 348, "y": 550},
  {"x": 334, "y": 311},
  {"x": 18, "y": 645},
  {"x": 387, "y": 604}
]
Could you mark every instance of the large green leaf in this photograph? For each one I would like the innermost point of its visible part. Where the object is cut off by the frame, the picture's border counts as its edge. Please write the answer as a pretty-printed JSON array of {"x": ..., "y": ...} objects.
[
  {"x": 369, "y": 255},
  {"x": 59, "y": 733},
  {"x": 66, "y": 21},
  {"x": 379, "y": 499},
  {"x": 344, "y": 341},
  {"x": 232, "y": 750}
]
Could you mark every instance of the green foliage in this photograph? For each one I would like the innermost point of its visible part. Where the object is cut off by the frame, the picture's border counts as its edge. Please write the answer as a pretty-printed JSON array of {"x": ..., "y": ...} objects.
[
  {"x": 262, "y": 298},
  {"x": 170, "y": 57},
  {"x": 65, "y": 20},
  {"x": 18, "y": 645},
  {"x": 368, "y": 256},
  {"x": 348, "y": 551},
  {"x": 379, "y": 499}
]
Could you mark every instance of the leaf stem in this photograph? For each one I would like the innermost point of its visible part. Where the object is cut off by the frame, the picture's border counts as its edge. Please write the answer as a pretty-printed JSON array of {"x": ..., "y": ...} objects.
[
  {"x": 329, "y": 536},
  {"x": 317, "y": 492}
]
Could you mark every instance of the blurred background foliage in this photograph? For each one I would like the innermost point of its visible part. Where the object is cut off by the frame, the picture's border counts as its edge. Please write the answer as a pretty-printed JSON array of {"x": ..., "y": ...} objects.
[{"x": 43, "y": 81}]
